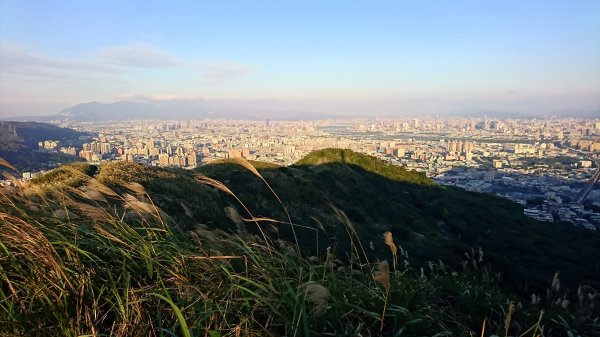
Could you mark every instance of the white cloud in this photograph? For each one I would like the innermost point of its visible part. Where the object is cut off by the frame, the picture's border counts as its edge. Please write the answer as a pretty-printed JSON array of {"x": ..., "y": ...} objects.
[
  {"x": 136, "y": 54},
  {"x": 109, "y": 60},
  {"x": 30, "y": 63},
  {"x": 51, "y": 77},
  {"x": 220, "y": 72},
  {"x": 154, "y": 97}
]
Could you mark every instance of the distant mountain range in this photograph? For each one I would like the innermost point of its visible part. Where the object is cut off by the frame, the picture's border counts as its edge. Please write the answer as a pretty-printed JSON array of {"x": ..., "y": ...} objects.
[
  {"x": 561, "y": 113},
  {"x": 137, "y": 109},
  {"x": 174, "y": 109}
]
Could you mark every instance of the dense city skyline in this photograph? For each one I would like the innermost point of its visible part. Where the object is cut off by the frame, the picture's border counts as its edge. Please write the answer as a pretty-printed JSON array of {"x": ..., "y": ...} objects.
[
  {"x": 549, "y": 166},
  {"x": 389, "y": 58}
]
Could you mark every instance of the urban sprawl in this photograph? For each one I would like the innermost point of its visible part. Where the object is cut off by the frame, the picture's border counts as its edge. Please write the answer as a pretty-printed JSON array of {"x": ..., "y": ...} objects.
[{"x": 550, "y": 166}]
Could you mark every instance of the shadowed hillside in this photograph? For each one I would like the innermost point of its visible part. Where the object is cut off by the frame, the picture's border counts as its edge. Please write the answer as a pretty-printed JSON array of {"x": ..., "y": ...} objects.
[
  {"x": 19, "y": 144},
  {"x": 427, "y": 220},
  {"x": 213, "y": 251},
  {"x": 367, "y": 163}
]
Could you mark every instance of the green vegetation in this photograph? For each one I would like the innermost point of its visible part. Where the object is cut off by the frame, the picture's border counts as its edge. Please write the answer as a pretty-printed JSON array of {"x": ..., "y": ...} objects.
[
  {"x": 20, "y": 149},
  {"x": 26, "y": 161},
  {"x": 29, "y": 134},
  {"x": 131, "y": 250},
  {"x": 365, "y": 162}
]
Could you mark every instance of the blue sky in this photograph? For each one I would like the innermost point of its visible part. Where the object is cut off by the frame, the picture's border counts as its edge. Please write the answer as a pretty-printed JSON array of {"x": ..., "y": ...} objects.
[{"x": 401, "y": 57}]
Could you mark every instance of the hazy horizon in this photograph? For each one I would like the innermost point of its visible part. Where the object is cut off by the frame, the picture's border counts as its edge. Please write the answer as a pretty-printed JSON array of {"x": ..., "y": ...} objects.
[{"x": 380, "y": 58}]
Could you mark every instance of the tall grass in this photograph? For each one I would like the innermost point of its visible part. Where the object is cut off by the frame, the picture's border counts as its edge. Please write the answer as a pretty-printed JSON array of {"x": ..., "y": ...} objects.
[{"x": 112, "y": 264}]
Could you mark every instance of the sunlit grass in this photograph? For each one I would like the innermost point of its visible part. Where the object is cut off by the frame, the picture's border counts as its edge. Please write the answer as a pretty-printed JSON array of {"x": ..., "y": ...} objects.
[{"x": 113, "y": 264}]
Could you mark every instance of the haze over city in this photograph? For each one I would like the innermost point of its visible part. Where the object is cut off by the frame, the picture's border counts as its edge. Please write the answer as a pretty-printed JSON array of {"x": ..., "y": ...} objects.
[{"x": 386, "y": 58}]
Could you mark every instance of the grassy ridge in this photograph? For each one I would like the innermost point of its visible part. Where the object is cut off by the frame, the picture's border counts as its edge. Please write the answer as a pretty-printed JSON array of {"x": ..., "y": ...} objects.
[
  {"x": 366, "y": 162},
  {"x": 148, "y": 279},
  {"x": 114, "y": 252},
  {"x": 428, "y": 220}
]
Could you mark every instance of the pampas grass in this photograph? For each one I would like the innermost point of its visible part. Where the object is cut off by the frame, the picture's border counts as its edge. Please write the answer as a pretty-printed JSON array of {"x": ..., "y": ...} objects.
[
  {"x": 89, "y": 193},
  {"x": 352, "y": 234},
  {"x": 382, "y": 276},
  {"x": 92, "y": 212},
  {"x": 248, "y": 166},
  {"x": 233, "y": 214},
  {"x": 221, "y": 187},
  {"x": 317, "y": 295},
  {"x": 134, "y": 187},
  {"x": 5, "y": 163},
  {"x": 507, "y": 319},
  {"x": 106, "y": 274},
  {"x": 22, "y": 239},
  {"x": 389, "y": 241}
]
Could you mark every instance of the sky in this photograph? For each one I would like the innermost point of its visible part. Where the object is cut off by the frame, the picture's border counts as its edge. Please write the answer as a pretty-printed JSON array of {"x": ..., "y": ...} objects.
[{"x": 369, "y": 57}]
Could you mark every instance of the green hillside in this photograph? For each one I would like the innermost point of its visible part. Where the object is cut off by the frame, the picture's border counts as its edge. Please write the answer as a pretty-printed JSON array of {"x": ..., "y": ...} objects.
[
  {"x": 19, "y": 144},
  {"x": 212, "y": 252},
  {"x": 367, "y": 163},
  {"x": 427, "y": 220},
  {"x": 28, "y": 134}
]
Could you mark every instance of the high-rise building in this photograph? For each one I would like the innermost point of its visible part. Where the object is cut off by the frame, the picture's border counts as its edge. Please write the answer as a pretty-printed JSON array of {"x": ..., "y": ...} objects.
[
  {"x": 105, "y": 148},
  {"x": 489, "y": 176},
  {"x": 416, "y": 123},
  {"x": 163, "y": 159},
  {"x": 452, "y": 146},
  {"x": 86, "y": 154},
  {"x": 468, "y": 147},
  {"x": 399, "y": 152},
  {"x": 69, "y": 150},
  {"x": 191, "y": 159}
]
